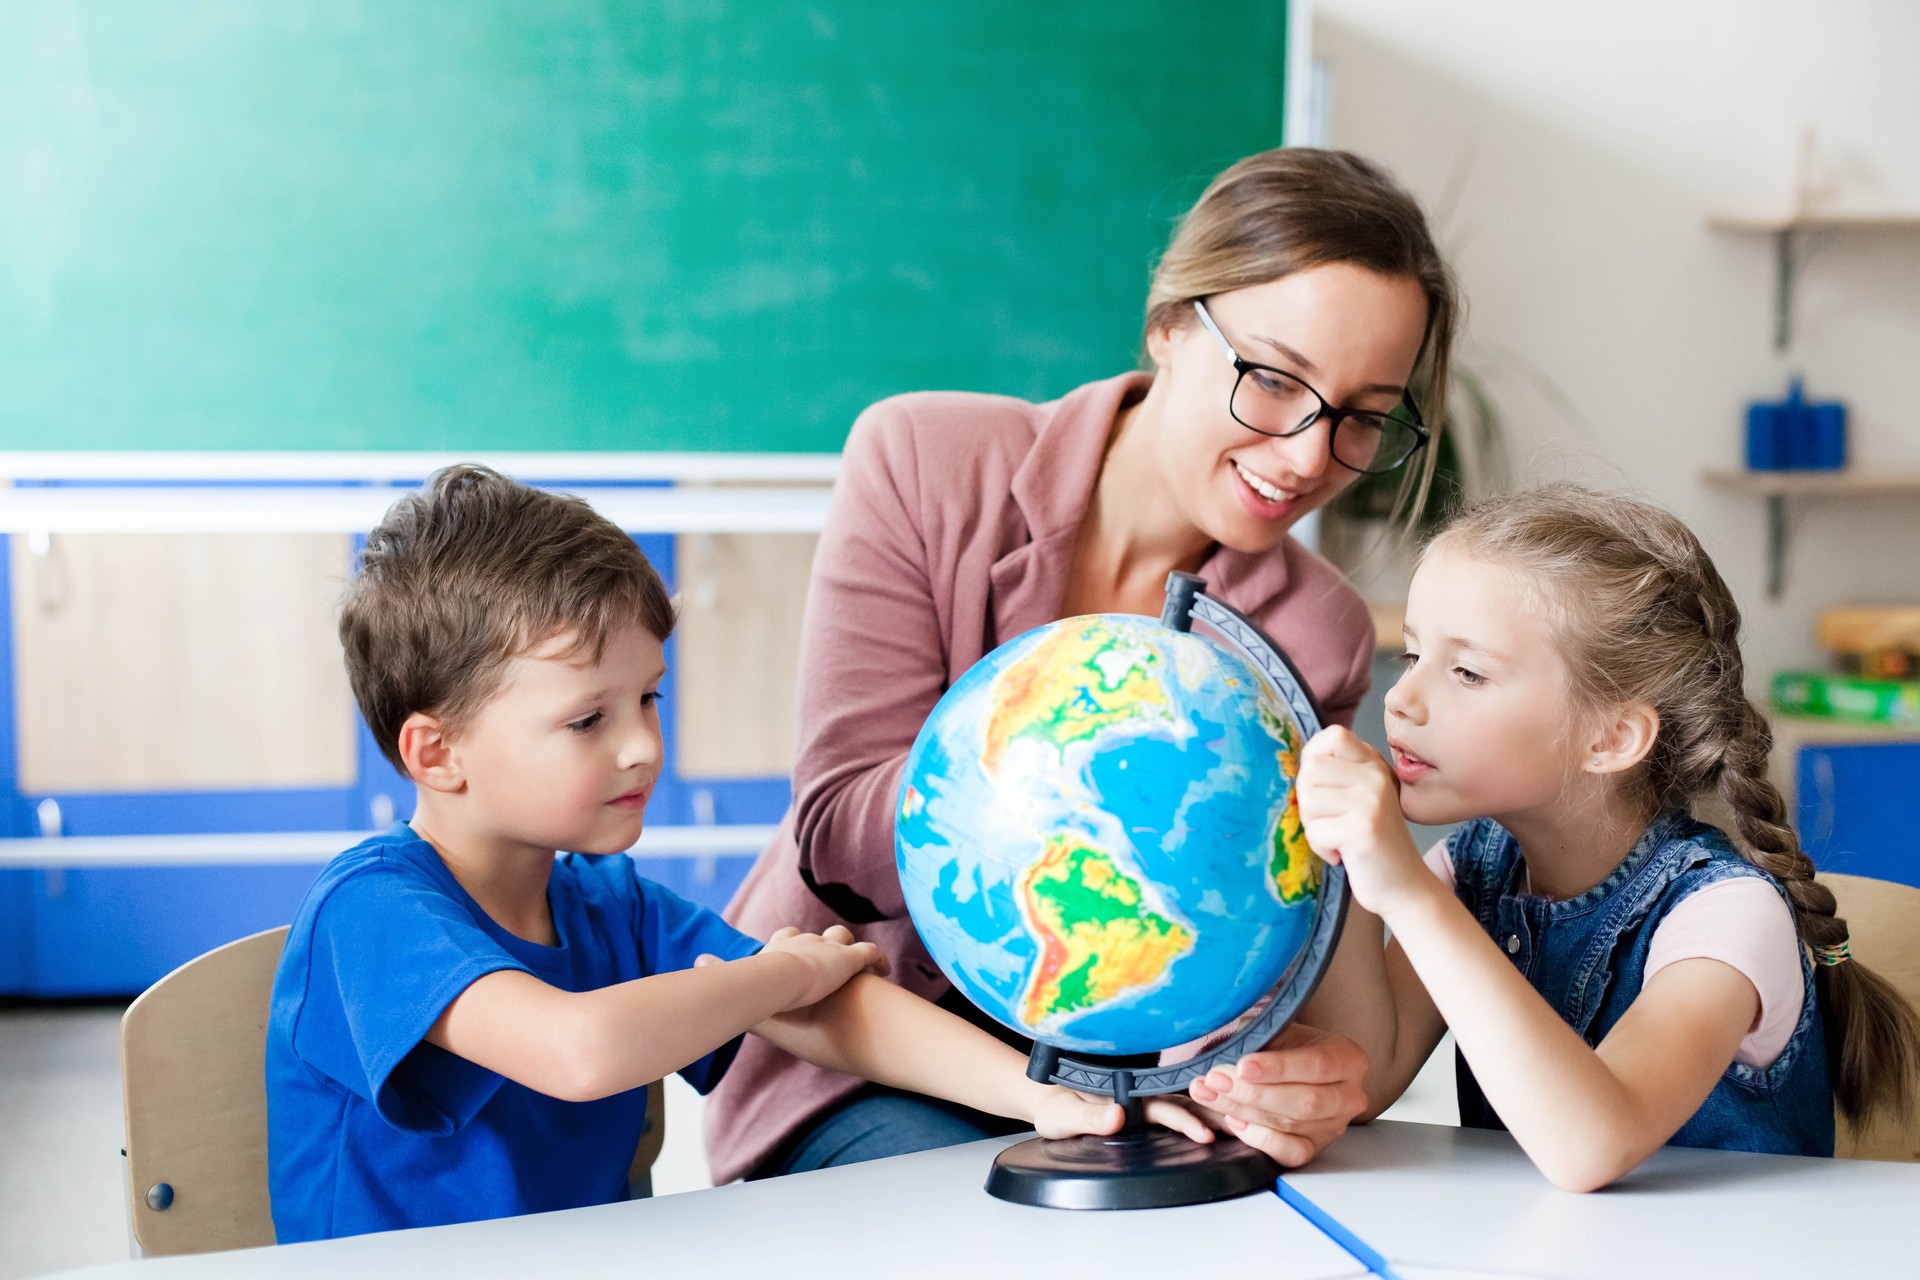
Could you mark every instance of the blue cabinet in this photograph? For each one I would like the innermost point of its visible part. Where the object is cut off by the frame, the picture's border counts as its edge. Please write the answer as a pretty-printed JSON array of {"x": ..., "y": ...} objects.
[
  {"x": 115, "y": 930},
  {"x": 1859, "y": 808}
]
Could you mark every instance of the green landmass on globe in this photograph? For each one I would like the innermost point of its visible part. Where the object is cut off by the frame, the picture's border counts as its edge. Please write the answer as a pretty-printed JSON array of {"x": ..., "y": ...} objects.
[
  {"x": 1097, "y": 938},
  {"x": 1098, "y": 838}
]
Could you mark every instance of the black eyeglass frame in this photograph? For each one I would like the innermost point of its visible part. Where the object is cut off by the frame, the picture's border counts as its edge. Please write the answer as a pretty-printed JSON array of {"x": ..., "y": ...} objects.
[{"x": 1332, "y": 413}]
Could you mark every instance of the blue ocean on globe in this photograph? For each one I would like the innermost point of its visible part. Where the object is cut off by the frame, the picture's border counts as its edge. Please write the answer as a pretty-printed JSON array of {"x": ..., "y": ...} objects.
[{"x": 1098, "y": 838}]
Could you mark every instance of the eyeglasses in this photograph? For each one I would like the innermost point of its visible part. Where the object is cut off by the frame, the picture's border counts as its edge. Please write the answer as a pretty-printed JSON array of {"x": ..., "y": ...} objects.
[{"x": 1276, "y": 403}]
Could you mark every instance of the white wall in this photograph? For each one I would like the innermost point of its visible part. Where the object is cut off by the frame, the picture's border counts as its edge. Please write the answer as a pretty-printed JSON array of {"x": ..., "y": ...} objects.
[{"x": 1572, "y": 153}]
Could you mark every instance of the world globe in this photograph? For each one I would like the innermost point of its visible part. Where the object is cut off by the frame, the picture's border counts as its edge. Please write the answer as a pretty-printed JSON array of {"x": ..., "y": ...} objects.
[{"x": 1098, "y": 836}]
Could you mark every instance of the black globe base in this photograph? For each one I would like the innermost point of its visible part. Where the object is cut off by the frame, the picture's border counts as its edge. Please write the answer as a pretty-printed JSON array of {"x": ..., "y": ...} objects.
[{"x": 1136, "y": 1169}]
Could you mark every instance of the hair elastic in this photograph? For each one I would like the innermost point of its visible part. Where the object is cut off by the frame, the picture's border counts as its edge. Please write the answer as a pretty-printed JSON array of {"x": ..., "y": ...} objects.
[{"x": 1839, "y": 953}]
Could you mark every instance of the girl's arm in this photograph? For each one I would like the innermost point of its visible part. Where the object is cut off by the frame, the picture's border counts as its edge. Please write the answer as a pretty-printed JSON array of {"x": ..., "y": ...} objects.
[
  {"x": 1586, "y": 1116},
  {"x": 874, "y": 1029}
]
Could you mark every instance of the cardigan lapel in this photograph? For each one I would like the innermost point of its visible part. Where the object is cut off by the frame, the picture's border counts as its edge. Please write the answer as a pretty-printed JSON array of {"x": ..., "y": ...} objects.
[{"x": 1052, "y": 490}]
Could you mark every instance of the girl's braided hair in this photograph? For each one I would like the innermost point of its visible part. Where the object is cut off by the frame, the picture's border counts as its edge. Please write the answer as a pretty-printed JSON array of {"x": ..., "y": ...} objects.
[{"x": 1646, "y": 618}]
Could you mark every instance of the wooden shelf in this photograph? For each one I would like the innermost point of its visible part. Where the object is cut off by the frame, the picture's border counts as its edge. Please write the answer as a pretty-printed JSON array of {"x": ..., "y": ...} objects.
[
  {"x": 1764, "y": 224},
  {"x": 1785, "y": 230},
  {"x": 1778, "y": 486},
  {"x": 1798, "y": 483}
]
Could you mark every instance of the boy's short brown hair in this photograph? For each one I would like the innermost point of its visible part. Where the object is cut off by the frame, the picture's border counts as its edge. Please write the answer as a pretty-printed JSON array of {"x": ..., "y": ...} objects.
[{"x": 470, "y": 572}]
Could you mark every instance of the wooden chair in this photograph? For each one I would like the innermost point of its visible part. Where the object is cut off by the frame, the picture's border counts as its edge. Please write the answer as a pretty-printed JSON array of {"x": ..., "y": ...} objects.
[
  {"x": 192, "y": 1050},
  {"x": 1884, "y": 920}
]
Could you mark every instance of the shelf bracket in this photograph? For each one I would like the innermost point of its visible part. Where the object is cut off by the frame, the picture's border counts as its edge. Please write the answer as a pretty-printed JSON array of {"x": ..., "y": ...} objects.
[
  {"x": 1776, "y": 545},
  {"x": 1783, "y": 279}
]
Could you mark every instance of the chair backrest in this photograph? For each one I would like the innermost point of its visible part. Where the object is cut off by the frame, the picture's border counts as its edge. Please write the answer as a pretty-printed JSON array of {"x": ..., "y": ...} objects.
[
  {"x": 192, "y": 1054},
  {"x": 1883, "y": 919}
]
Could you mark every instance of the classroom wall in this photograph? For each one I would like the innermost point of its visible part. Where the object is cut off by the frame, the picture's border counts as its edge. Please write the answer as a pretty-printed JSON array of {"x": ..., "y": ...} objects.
[{"x": 1573, "y": 154}]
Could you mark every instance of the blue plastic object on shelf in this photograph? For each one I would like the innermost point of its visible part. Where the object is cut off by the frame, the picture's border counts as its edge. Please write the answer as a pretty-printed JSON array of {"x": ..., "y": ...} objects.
[{"x": 1796, "y": 434}]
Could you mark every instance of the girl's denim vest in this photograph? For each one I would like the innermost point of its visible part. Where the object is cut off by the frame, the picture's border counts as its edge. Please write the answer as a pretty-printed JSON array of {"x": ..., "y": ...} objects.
[{"x": 1587, "y": 957}]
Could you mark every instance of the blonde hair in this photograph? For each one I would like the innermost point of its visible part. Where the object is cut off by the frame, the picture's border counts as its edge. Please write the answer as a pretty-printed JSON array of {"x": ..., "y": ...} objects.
[
  {"x": 1645, "y": 617},
  {"x": 1287, "y": 210}
]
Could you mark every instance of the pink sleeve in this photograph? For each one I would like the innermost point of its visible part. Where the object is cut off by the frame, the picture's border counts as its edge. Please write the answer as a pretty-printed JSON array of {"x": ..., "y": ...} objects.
[
  {"x": 1439, "y": 861},
  {"x": 1743, "y": 923},
  {"x": 872, "y": 665}
]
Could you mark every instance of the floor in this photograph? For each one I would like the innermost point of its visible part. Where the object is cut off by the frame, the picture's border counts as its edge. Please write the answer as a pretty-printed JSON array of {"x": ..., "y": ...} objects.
[
  {"x": 60, "y": 1192},
  {"x": 60, "y": 1184}
]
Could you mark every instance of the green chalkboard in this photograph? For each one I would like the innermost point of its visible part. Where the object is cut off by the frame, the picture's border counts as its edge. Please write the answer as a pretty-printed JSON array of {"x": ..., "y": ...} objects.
[{"x": 587, "y": 224}]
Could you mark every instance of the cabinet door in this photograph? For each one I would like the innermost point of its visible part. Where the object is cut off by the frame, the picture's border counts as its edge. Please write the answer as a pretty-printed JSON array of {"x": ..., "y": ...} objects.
[
  {"x": 16, "y": 930},
  {"x": 180, "y": 663},
  {"x": 1859, "y": 810}
]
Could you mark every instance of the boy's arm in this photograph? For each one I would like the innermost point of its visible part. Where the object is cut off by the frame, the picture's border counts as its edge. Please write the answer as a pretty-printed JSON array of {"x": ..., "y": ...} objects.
[
  {"x": 579, "y": 1046},
  {"x": 873, "y": 1029}
]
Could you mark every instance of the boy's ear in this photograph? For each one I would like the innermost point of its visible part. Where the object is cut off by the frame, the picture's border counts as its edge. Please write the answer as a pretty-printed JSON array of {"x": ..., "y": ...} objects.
[
  {"x": 1624, "y": 738},
  {"x": 427, "y": 750}
]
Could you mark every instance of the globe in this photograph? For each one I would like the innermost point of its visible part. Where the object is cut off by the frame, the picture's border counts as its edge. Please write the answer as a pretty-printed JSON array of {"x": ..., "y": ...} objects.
[{"x": 1098, "y": 837}]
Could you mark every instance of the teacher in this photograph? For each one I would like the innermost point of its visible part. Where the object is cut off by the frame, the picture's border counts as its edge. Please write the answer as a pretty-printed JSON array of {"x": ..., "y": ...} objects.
[{"x": 1298, "y": 326}]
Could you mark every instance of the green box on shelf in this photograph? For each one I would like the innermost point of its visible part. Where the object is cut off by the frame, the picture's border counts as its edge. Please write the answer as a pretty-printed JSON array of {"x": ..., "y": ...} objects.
[{"x": 1834, "y": 697}]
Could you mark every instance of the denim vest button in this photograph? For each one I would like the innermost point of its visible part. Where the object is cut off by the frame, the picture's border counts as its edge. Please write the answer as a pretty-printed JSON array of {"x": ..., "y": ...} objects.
[{"x": 1513, "y": 944}]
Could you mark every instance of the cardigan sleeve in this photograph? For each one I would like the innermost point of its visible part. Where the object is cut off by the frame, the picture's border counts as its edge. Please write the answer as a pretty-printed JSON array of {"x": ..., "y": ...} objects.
[{"x": 872, "y": 666}]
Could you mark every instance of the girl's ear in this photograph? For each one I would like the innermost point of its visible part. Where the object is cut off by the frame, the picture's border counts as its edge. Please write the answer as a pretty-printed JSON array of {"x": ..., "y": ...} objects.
[
  {"x": 1625, "y": 736},
  {"x": 428, "y": 753}
]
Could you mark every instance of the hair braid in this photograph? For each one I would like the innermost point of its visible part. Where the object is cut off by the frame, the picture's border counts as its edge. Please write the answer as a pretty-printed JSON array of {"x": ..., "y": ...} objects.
[
  {"x": 1873, "y": 1037},
  {"x": 1648, "y": 618}
]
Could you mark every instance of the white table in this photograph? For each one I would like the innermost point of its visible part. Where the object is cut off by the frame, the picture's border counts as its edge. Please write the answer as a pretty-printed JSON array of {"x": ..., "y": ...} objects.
[
  {"x": 919, "y": 1215},
  {"x": 1438, "y": 1203}
]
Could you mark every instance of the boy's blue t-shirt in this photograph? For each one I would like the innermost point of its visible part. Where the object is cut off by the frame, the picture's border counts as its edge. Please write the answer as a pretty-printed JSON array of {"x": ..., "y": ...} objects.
[{"x": 369, "y": 1127}]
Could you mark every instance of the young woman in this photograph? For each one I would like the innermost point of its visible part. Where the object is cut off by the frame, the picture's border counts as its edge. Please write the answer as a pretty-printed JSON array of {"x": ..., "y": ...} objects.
[{"x": 1299, "y": 326}]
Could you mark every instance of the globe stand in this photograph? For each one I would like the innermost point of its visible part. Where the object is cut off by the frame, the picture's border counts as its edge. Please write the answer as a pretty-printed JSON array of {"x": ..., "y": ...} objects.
[{"x": 1150, "y": 1168}]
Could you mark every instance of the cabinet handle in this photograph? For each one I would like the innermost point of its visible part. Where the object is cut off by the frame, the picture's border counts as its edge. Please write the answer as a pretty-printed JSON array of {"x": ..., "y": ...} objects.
[{"x": 47, "y": 814}]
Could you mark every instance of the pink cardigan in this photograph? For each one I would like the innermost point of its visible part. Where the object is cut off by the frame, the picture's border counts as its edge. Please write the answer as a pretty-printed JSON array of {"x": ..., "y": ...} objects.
[{"x": 952, "y": 529}]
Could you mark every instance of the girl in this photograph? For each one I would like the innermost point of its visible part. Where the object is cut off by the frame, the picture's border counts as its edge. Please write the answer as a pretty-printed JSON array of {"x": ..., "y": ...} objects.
[
  {"x": 1617, "y": 975},
  {"x": 1299, "y": 328}
]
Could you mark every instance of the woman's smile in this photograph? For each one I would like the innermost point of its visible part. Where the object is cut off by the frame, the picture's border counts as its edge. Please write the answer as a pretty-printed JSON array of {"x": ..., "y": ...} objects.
[{"x": 1262, "y": 497}]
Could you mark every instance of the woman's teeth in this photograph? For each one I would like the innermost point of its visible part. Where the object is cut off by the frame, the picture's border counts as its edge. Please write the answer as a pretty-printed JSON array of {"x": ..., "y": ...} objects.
[{"x": 1260, "y": 486}]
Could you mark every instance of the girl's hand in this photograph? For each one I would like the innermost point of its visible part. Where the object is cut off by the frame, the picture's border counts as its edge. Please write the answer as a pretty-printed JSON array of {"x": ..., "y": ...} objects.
[
  {"x": 1063, "y": 1113},
  {"x": 827, "y": 961},
  {"x": 1350, "y": 812}
]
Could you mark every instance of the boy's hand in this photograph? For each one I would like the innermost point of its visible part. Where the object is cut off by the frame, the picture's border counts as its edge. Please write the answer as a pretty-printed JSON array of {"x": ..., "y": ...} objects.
[
  {"x": 1350, "y": 812},
  {"x": 1063, "y": 1113},
  {"x": 829, "y": 960}
]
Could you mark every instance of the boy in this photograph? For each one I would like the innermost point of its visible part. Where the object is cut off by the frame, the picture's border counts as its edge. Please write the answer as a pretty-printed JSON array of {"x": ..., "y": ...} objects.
[{"x": 462, "y": 1023}]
